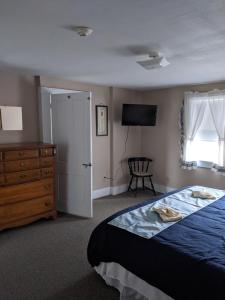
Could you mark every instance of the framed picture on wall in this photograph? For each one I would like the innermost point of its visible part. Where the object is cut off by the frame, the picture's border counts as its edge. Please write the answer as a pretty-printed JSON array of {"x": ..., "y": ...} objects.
[{"x": 101, "y": 120}]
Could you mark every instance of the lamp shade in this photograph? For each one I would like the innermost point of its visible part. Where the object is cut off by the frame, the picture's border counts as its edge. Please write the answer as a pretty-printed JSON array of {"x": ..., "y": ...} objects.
[{"x": 11, "y": 118}]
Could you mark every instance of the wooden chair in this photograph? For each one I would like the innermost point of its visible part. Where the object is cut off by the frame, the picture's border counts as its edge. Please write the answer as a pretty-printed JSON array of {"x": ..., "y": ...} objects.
[{"x": 140, "y": 168}]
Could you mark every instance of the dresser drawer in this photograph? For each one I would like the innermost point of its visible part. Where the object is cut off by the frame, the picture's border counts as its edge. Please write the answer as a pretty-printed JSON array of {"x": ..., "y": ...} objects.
[
  {"x": 24, "y": 176},
  {"x": 47, "y": 151},
  {"x": 21, "y": 165},
  {"x": 26, "y": 191},
  {"x": 2, "y": 179},
  {"x": 46, "y": 161},
  {"x": 14, "y": 155},
  {"x": 47, "y": 172},
  {"x": 25, "y": 209}
]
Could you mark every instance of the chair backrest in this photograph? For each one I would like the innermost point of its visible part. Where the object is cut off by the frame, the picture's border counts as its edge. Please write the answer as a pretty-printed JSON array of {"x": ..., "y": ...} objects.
[{"x": 138, "y": 164}]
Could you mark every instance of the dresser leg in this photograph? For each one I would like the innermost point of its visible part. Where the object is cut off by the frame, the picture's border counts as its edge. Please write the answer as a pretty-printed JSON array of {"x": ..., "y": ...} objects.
[{"x": 54, "y": 215}]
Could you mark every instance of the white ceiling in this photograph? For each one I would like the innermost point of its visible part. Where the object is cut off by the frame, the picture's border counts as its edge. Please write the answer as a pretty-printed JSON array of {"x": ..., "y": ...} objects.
[{"x": 35, "y": 36}]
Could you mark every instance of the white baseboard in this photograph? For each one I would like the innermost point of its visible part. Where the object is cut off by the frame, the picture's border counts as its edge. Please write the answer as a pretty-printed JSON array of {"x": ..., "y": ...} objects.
[
  {"x": 99, "y": 193},
  {"x": 115, "y": 190}
]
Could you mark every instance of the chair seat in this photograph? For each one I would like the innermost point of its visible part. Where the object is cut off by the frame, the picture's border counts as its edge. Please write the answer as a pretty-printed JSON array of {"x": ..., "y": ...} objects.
[{"x": 142, "y": 174}]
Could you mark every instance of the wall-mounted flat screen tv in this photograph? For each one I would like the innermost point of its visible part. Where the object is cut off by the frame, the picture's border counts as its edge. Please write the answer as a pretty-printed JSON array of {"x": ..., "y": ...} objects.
[{"x": 139, "y": 114}]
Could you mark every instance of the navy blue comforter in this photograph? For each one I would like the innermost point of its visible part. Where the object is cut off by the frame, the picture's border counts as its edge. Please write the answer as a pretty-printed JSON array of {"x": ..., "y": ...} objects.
[{"x": 186, "y": 260}]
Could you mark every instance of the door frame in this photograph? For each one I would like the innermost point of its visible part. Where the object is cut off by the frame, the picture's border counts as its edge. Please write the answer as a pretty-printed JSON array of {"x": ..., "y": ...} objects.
[{"x": 45, "y": 120}]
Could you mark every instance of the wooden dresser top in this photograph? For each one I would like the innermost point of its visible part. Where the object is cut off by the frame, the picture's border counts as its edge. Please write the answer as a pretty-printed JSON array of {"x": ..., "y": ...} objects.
[{"x": 18, "y": 146}]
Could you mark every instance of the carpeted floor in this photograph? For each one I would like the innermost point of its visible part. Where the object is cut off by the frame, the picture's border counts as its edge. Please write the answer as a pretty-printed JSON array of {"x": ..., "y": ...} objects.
[{"x": 47, "y": 260}]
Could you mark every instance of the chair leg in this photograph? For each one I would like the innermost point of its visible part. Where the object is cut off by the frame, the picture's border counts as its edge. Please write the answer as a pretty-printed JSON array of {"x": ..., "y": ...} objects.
[
  {"x": 130, "y": 184},
  {"x": 143, "y": 183},
  {"x": 153, "y": 189}
]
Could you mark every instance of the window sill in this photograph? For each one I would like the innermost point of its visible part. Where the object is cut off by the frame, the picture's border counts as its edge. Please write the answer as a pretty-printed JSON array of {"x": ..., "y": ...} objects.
[{"x": 204, "y": 164}]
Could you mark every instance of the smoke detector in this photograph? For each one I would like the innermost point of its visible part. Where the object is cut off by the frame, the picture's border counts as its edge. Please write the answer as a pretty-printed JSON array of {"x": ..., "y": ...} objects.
[
  {"x": 156, "y": 60},
  {"x": 83, "y": 30}
]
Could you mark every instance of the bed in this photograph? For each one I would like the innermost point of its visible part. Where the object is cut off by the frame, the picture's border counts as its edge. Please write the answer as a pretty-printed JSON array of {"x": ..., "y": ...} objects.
[{"x": 184, "y": 260}]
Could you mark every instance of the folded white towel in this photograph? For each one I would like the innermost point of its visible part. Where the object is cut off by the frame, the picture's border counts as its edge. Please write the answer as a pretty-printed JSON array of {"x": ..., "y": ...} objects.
[
  {"x": 202, "y": 195},
  {"x": 167, "y": 214}
]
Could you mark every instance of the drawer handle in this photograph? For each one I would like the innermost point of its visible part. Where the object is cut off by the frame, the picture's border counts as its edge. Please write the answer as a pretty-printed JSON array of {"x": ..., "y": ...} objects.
[
  {"x": 23, "y": 176},
  {"x": 47, "y": 203},
  {"x": 45, "y": 151},
  {"x": 21, "y": 153},
  {"x": 22, "y": 164}
]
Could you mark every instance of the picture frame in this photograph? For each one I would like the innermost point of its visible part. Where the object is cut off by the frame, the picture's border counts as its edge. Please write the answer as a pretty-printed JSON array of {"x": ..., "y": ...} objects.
[
  {"x": 101, "y": 120},
  {"x": 11, "y": 118}
]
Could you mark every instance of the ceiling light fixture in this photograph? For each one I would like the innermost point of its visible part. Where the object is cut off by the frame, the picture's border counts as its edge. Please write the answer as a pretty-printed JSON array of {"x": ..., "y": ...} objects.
[
  {"x": 83, "y": 30},
  {"x": 156, "y": 60}
]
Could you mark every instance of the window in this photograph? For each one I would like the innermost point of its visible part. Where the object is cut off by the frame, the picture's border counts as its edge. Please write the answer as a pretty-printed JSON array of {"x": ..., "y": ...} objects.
[
  {"x": 204, "y": 146},
  {"x": 204, "y": 129}
]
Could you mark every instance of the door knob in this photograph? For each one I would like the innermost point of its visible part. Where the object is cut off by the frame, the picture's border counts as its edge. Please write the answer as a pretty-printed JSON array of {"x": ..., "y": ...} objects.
[{"x": 87, "y": 165}]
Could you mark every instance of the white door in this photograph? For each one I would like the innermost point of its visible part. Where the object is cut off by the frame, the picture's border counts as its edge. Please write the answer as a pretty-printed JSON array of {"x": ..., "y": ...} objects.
[{"x": 71, "y": 132}]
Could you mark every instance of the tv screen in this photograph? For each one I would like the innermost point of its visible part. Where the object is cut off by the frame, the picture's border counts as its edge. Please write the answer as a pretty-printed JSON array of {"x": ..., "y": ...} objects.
[{"x": 139, "y": 114}]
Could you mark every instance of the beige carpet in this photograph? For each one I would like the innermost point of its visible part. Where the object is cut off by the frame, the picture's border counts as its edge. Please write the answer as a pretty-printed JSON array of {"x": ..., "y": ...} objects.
[{"x": 47, "y": 260}]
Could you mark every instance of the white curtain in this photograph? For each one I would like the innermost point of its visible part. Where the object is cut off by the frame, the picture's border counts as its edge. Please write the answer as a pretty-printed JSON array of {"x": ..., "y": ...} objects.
[
  {"x": 216, "y": 102},
  {"x": 194, "y": 124},
  {"x": 194, "y": 108}
]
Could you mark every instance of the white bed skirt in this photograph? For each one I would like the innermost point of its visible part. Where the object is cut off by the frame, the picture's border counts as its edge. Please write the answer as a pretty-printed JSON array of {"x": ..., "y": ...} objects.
[{"x": 130, "y": 286}]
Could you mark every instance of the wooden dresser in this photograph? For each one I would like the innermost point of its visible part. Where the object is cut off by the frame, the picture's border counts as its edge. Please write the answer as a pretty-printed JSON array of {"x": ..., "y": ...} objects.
[{"x": 26, "y": 183}]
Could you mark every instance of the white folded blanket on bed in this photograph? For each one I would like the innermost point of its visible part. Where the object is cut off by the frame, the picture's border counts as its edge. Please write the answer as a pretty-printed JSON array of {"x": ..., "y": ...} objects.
[{"x": 167, "y": 214}]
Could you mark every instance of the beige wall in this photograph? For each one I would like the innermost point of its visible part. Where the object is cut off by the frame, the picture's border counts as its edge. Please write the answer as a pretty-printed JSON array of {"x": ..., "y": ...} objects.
[
  {"x": 119, "y": 168},
  {"x": 108, "y": 151},
  {"x": 20, "y": 90},
  {"x": 162, "y": 141}
]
